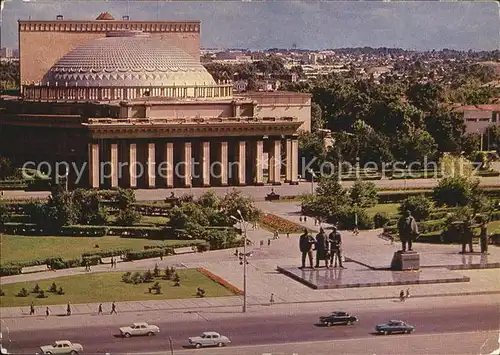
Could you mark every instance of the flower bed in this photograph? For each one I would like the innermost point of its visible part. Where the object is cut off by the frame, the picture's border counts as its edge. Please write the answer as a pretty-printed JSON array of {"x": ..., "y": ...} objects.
[
  {"x": 221, "y": 281},
  {"x": 275, "y": 223}
]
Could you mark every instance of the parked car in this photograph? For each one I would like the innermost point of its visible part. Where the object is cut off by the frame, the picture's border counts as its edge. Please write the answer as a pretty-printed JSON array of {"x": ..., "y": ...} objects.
[
  {"x": 394, "y": 326},
  {"x": 139, "y": 329},
  {"x": 338, "y": 318},
  {"x": 209, "y": 339},
  {"x": 62, "y": 347}
]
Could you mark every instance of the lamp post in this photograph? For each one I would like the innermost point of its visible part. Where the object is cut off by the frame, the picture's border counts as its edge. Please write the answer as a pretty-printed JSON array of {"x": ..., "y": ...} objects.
[
  {"x": 313, "y": 175},
  {"x": 242, "y": 222}
]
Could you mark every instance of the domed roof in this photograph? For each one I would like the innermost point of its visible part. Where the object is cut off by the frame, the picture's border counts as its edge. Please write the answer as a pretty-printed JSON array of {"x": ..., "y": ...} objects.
[{"x": 124, "y": 59}]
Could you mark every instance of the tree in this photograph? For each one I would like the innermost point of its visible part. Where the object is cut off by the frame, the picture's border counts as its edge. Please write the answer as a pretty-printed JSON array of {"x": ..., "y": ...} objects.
[
  {"x": 415, "y": 146},
  {"x": 234, "y": 201},
  {"x": 493, "y": 137},
  {"x": 447, "y": 128},
  {"x": 455, "y": 191},
  {"x": 317, "y": 121},
  {"x": 89, "y": 207},
  {"x": 419, "y": 206},
  {"x": 425, "y": 96},
  {"x": 364, "y": 194},
  {"x": 4, "y": 214},
  {"x": 127, "y": 215},
  {"x": 312, "y": 150}
]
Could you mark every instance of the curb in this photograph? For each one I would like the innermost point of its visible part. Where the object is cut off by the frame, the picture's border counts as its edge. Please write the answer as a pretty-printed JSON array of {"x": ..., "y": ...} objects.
[{"x": 267, "y": 304}]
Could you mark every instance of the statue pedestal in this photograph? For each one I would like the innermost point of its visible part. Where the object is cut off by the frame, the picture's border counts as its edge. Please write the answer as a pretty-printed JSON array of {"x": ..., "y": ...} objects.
[{"x": 405, "y": 260}]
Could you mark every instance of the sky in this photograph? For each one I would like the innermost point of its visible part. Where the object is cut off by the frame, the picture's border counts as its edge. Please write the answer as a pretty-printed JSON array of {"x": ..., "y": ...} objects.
[{"x": 312, "y": 24}]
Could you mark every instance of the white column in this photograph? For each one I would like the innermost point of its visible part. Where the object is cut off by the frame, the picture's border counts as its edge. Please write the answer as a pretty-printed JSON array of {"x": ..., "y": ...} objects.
[
  {"x": 187, "y": 157},
  {"x": 133, "y": 165},
  {"x": 169, "y": 160},
  {"x": 94, "y": 165},
  {"x": 288, "y": 175},
  {"x": 205, "y": 163},
  {"x": 276, "y": 162},
  {"x": 151, "y": 165},
  {"x": 295, "y": 161},
  {"x": 242, "y": 163},
  {"x": 114, "y": 166},
  {"x": 223, "y": 162},
  {"x": 259, "y": 163}
]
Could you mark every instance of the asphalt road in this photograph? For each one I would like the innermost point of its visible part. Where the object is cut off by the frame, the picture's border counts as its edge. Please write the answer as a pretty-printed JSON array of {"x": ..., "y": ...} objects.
[{"x": 252, "y": 330}]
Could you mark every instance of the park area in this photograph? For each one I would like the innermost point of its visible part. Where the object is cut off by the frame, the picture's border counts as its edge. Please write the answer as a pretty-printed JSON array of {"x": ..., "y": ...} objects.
[
  {"x": 16, "y": 248},
  {"x": 110, "y": 287}
]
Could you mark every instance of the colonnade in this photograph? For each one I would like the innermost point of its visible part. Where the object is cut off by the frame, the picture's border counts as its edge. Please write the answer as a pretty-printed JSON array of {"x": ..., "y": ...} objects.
[{"x": 164, "y": 163}]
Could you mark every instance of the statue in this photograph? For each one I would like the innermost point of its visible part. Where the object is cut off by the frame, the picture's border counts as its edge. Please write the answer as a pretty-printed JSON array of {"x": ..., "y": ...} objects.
[
  {"x": 306, "y": 242},
  {"x": 407, "y": 230},
  {"x": 335, "y": 240},
  {"x": 321, "y": 248}
]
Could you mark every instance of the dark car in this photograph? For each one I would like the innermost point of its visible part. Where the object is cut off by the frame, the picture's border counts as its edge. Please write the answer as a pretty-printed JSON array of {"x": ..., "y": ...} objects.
[
  {"x": 338, "y": 318},
  {"x": 394, "y": 326}
]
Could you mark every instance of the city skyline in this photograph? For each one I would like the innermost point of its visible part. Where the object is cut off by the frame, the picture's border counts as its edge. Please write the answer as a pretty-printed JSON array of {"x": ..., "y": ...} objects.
[{"x": 315, "y": 26}]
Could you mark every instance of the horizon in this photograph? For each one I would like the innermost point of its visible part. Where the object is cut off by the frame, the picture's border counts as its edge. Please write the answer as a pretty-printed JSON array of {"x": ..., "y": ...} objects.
[{"x": 411, "y": 26}]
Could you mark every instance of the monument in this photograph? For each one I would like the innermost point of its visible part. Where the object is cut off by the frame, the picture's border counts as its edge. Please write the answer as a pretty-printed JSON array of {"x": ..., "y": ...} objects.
[{"x": 404, "y": 260}]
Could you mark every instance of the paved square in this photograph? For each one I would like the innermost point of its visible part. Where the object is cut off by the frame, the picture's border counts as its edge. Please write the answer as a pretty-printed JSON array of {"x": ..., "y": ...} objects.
[{"x": 323, "y": 278}]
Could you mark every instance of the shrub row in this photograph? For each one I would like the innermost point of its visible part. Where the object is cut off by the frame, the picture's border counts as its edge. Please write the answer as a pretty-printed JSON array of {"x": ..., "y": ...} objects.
[
  {"x": 106, "y": 253},
  {"x": 398, "y": 196}
]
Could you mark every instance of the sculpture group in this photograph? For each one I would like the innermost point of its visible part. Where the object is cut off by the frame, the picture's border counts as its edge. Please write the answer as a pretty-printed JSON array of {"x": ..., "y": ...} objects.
[{"x": 328, "y": 248}]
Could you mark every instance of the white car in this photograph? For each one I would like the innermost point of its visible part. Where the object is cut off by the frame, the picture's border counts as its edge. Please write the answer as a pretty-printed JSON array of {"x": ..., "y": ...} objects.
[
  {"x": 62, "y": 347},
  {"x": 209, "y": 339},
  {"x": 139, "y": 329}
]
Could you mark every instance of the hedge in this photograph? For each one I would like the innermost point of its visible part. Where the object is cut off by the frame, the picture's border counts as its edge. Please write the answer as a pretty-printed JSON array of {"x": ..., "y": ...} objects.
[
  {"x": 107, "y": 252},
  {"x": 91, "y": 260},
  {"x": 146, "y": 254}
]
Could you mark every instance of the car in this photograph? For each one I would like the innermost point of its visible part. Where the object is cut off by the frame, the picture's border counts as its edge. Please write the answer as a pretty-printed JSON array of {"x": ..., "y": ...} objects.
[
  {"x": 139, "y": 329},
  {"x": 394, "y": 326},
  {"x": 338, "y": 318},
  {"x": 209, "y": 339},
  {"x": 62, "y": 347}
]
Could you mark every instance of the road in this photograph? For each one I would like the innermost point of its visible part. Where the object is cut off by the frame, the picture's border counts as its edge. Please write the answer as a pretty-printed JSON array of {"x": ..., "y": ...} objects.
[
  {"x": 244, "y": 330},
  {"x": 259, "y": 192}
]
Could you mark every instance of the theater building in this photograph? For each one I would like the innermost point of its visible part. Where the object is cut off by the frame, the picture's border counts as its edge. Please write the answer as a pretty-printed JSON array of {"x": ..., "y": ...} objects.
[{"x": 130, "y": 102}]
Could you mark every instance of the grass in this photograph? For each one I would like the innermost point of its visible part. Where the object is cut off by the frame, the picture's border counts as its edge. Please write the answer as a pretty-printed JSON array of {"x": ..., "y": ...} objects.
[
  {"x": 14, "y": 248},
  {"x": 390, "y": 208},
  {"x": 108, "y": 287}
]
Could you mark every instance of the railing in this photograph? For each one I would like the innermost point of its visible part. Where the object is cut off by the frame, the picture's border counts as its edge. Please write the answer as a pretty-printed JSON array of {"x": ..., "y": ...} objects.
[
  {"x": 38, "y": 92},
  {"x": 176, "y": 120}
]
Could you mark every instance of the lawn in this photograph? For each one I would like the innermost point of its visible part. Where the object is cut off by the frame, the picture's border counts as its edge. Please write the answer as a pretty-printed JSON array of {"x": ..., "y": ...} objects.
[
  {"x": 390, "y": 208},
  {"x": 108, "y": 287},
  {"x": 14, "y": 248}
]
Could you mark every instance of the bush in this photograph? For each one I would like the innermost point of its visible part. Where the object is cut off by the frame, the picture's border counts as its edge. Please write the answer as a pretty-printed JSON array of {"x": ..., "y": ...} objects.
[
  {"x": 128, "y": 217},
  {"x": 146, "y": 254},
  {"x": 455, "y": 191},
  {"x": 346, "y": 218},
  {"x": 60, "y": 291},
  {"x": 168, "y": 273},
  {"x": 380, "y": 219},
  {"x": 53, "y": 287},
  {"x": 9, "y": 269},
  {"x": 23, "y": 293},
  {"x": 136, "y": 278},
  {"x": 432, "y": 226},
  {"x": 36, "y": 289},
  {"x": 107, "y": 252},
  {"x": 156, "y": 271},
  {"x": 419, "y": 206},
  {"x": 41, "y": 295},
  {"x": 177, "y": 280},
  {"x": 148, "y": 276},
  {"x": 2, "y": 293},
  {"x": 126, "y": 277}
]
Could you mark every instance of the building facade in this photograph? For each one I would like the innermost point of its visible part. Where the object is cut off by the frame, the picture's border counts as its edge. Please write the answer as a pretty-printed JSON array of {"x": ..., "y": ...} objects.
[{"x": 123, "y": 104}]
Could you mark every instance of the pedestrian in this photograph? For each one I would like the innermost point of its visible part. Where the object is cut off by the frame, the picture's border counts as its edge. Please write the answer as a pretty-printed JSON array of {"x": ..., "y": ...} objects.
[
  {"x": 112, "y": 262},
  {"x": 32, "y": 309},
  {"x": 68, "y": 309},
  {"x": 288, "y": 235},
  {"x": 305, "y": 219},
  {"x": 271, "y": 300},
  {"x": 113, "y": 308},
  {"x": 269, "y": 242},
  {"x": 99, "y": 311},
  {"x": 276, "y": 234},
  {"x": 237, "y": 253},
  {"x": 402, "y": 296},
  {"x": 407, "y": 293},
  {"x": 261, "y": 243},
  {"x": 47, "y": 312},
  {"x": 300, "y": 219}
]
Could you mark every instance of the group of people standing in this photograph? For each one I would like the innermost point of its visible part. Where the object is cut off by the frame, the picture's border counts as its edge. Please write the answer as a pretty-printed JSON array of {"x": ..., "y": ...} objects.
[{"x": 328, "y": 248}]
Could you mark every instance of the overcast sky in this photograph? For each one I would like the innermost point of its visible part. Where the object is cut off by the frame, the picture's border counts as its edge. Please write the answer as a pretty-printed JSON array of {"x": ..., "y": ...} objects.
[{"x": 413, "y": 25}]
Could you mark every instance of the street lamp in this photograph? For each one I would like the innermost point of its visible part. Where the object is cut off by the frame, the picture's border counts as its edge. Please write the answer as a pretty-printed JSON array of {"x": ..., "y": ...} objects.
[
  {"x": 313, "y": 175},
  {"x": 242, "y": 222}
]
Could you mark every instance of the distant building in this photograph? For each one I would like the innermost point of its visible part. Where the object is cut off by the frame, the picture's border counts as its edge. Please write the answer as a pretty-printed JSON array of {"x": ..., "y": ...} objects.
[
  {"x": 6, "y": 53},
  {"x": 478, "y": 118}
]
